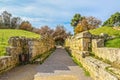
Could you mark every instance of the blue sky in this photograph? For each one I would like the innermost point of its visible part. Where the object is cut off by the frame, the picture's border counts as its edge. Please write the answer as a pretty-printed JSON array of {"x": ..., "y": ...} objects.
[{"x": 54, "y": 12}]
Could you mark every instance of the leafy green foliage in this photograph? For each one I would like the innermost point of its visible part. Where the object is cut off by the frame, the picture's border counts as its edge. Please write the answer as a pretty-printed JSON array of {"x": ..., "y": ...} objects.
[
  {"x": 5, "y": 34},
  {"x": 114, "y": 20},
  {"x": 113, "y": 43},
  {"x": 76, "y": 19}
]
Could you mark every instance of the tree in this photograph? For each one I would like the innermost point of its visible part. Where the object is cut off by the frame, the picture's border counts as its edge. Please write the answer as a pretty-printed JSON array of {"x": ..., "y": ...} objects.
[
  {"x": 45, "y": 30},
  {"x": 83, "y": 23},
  {"x": 93, "y": 22},
  {"x": 76, "y": 19},
  {"x": 60, "y": 35},
  {"x": 1, "y": 21},
  {"x": 81, "y": 26},
  {"x": 36, "y": 30},
  {"x": 114, "y": 20},
  {"x": 26, "y": 25},
  {"x": 15, "y": 22},
  {"x": 9, "y": 22},
  {"x": 6, "y": 19},
  {"x": 86, "y": 24}
]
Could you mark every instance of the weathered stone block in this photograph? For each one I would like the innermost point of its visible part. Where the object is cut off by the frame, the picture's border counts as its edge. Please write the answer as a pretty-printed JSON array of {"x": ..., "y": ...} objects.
[{"x": 96, "y": 67}]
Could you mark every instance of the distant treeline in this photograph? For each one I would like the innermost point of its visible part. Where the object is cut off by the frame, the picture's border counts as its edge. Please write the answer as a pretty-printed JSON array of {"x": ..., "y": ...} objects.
[
  {"x": 83, "y": 23},
  {"x": 59, "y": 34},
  {"x": 9, "y": 22}
]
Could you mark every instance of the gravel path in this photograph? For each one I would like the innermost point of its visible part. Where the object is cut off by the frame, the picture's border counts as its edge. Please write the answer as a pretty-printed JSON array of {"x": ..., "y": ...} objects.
[{"x": 58, "y": 63}]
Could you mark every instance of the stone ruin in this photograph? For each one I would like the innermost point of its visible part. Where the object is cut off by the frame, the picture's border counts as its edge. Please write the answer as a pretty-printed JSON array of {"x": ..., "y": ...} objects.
[
  {"x": 28, "y": 46},
  {"x": 16, "y": 47},
  {"x": 100, "y": 61},
  {"x": 24, "y": 48}
]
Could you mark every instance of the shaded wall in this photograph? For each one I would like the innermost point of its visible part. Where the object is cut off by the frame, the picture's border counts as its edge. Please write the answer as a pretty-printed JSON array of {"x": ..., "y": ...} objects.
[{"x": 21, "y": 45}]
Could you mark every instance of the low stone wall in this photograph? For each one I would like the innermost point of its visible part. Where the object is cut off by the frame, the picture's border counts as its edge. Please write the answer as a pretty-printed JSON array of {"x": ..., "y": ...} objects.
[
  {"x": 38, "y": 47},
  {"x": 107, "y": 54},
  {"x": 6, "y": 63},
  {"x": 31, "y": 48},
  {"x": 96, "y": 67}
]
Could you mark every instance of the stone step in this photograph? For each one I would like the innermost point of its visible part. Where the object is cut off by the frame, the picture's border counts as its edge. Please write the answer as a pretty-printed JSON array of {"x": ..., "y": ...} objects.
[{"x": 52, "y": 76}]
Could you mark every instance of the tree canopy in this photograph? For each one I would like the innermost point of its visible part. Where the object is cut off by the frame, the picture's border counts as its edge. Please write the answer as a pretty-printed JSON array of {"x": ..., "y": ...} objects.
[
  {"x": 83, "y": 23},
  {"x": 76, "y": 19},
  {"x": 59, "y": 34},
  {"x": 26, "y": 25},
  {"x": 114, "y": 20},
  {"x": 7, "y": 21}
]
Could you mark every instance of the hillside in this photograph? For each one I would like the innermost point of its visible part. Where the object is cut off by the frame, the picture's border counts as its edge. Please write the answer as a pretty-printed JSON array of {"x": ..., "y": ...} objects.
[
  {"x": 5, "y": 34},
  {"x": 110, "y": 31},
  {"x": 113, "y": 43}
]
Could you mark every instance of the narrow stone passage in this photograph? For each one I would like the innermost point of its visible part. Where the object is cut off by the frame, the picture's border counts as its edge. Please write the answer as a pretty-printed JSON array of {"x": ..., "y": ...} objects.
[{"x": 59, "y": 63}]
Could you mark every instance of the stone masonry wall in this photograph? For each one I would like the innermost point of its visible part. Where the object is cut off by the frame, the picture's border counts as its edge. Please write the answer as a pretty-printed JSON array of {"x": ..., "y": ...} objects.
[
  {"x": 22, "y": 45},
  {"x": 79, "y": 42},
  {"x": 110, "y": 54},
  {"x": 97, "y": 68},
  {"x": 6, "y": 63},
  {"x": 37, "y": 47}
]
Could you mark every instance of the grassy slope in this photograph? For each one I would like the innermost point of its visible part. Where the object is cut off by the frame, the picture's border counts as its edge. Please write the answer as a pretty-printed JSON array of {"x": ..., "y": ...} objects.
[
  {"x": 5, "y": 34},
  {"x": 108, "y": 30},
  {"x": 113, "y": 43}
]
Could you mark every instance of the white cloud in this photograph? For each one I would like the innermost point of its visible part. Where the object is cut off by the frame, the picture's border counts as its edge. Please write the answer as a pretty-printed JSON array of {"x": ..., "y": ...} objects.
[
  {"x": 53, "y": 12},
  {"x": 36, "y": 19}
]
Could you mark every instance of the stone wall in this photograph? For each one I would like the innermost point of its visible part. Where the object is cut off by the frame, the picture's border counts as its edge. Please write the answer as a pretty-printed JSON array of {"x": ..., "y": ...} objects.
[
  {"x": 98, "y": 69},
  {"x": 79, "y": 42},
  {"x": 31, "y": 47},
  {"x": 110, "y": 54},
  {"x": 21, "y": 45},
  {"x": 6, "y": 63}
]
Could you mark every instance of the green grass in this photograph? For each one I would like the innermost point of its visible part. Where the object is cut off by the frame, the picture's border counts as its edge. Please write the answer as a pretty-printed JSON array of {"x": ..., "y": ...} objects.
[
  {"x": 108, "y": 30},
  {"x": 115, "y": 43},
  {"x": 5, "y": 34}
]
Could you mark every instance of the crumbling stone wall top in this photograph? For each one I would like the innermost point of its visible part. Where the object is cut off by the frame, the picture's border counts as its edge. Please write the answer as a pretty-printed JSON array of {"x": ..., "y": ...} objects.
[{"x": 85, "y": 34}]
